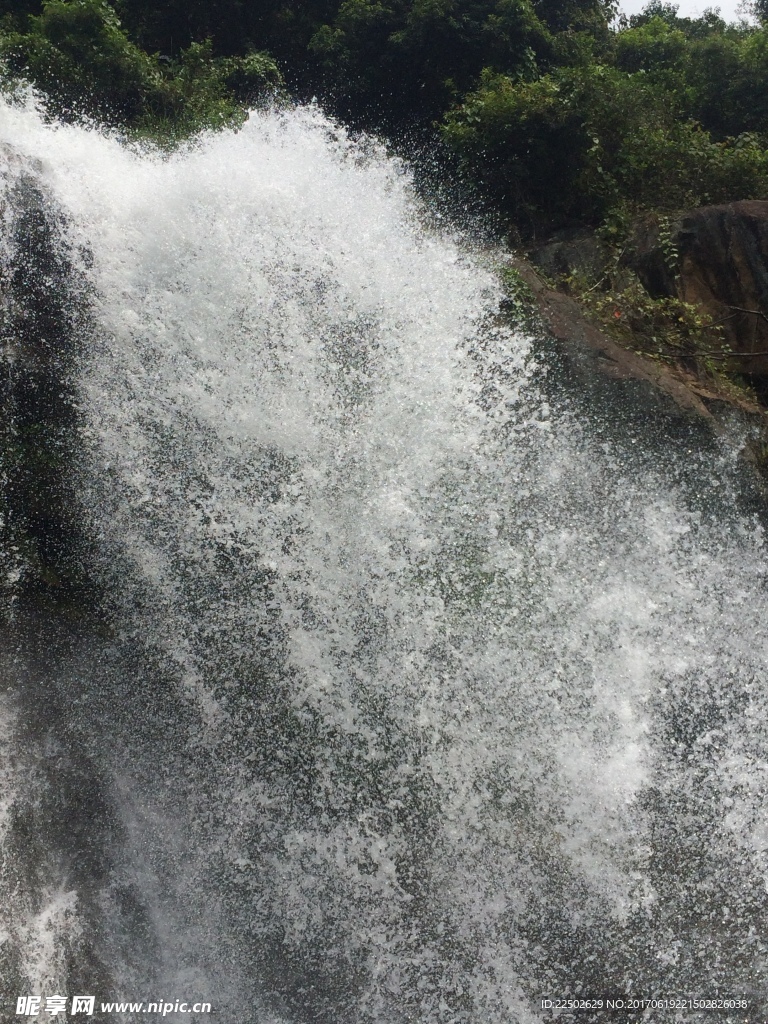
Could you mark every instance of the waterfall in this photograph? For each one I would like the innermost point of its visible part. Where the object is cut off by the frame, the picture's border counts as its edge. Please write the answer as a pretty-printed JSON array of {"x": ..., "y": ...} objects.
[{"x": 386, "y": 678}]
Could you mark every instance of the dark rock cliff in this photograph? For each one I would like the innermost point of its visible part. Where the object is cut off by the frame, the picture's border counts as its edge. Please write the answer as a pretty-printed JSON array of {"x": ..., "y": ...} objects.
[{"x": 716, "y": 258}]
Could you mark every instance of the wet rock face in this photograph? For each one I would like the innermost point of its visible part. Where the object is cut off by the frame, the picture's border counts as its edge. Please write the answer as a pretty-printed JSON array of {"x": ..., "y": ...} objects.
[
  {"x": 715, "y": 257},
  {"x": 43, "y": 315},
  {"x": 565, "y": 254}
]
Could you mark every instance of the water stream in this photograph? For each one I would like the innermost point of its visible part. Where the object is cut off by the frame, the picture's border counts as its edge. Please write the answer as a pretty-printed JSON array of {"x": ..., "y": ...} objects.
[{"x": 403, "y": 686}]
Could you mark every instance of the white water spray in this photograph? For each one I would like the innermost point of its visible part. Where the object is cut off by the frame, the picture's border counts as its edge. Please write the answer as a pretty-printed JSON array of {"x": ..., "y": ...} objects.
[{"x": 418, "y": 700}]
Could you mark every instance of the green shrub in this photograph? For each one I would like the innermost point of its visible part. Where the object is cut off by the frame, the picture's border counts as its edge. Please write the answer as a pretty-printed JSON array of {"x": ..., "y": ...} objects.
[
  {"x": 248, "y": 78},
  {"x": 525, "y": 142},
  {"x": 77, "y": 53},
  {"x": 580, "y": 145}
]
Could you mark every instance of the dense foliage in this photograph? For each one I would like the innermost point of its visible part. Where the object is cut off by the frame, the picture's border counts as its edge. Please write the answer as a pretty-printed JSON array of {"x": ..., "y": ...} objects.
[
  {"x": 77, "y": 52},
  {"x": 558, "y": 114},
  {"x": 595, "y": 143}
]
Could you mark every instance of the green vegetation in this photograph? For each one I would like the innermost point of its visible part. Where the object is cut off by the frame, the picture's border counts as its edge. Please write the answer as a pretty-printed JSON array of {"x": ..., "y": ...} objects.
[
  {"x": 595, "y": 144},
  {"x": 666, "y": 329},
  {"x": 79, "y": 55}
]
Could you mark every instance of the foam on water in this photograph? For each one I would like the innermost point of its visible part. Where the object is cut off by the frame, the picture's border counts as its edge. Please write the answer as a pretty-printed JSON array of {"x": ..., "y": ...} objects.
[{"x": 422, "y": 700}]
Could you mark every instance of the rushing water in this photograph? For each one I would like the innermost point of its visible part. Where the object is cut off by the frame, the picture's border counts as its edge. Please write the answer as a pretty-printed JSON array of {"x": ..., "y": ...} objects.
[{"x": 408, "y": 689}]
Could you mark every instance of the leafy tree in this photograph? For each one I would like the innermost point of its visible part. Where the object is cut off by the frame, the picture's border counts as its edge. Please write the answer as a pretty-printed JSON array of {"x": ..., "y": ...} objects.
[
  {"x": 77, "y": 52},
  {"x": 525, "y": 142},
  {"x": 77, "y": 49},
  {"x": 653, "y": 45},
  {"x": 581, "y": 145},
  {"x": 411, "y": 59}
]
